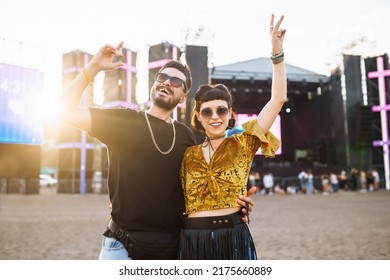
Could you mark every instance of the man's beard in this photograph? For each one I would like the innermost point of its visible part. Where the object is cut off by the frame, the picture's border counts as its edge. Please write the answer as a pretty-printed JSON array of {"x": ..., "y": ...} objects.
[{"x": 162, "y": 102}]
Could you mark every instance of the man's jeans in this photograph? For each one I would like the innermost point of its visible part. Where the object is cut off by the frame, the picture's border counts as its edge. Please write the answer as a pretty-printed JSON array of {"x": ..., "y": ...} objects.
[{"x": 112, "y": 249}]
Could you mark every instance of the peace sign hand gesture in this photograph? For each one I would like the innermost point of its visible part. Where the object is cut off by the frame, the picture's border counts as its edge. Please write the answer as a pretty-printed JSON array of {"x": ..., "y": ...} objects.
[{"x": 277, "y": 35}]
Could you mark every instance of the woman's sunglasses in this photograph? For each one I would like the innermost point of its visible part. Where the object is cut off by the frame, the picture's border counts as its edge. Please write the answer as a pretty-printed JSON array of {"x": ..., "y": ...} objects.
[
  {"x": 175, "y": 81},
  {"x": 207, "y": 112}
]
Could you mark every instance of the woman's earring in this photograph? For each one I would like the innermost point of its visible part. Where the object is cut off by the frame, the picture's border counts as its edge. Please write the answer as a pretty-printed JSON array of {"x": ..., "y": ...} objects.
[{"x": 232, "y": 123}]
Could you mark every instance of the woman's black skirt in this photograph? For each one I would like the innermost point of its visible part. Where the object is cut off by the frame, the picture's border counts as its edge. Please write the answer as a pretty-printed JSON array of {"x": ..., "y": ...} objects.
[{"x": 216, "y": 238}]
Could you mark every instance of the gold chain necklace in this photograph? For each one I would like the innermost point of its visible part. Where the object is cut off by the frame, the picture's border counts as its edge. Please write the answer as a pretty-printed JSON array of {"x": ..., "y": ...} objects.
[{"x": 154, "y": 140}]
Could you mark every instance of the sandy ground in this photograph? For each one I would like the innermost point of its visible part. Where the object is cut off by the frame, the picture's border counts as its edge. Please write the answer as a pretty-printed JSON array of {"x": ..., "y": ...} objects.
[{"x": 341, "y": 226}]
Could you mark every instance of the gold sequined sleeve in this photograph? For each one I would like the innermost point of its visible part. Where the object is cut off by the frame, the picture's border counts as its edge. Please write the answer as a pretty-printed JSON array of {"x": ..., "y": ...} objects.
[{"x": 268, "y": 143}]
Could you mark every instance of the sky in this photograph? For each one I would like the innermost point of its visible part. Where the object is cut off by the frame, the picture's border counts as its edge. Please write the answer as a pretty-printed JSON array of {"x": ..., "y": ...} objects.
[{"x": 37, "y": 33}]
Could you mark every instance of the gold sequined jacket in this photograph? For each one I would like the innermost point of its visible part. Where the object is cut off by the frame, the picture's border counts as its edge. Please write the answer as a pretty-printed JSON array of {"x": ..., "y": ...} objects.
[{"x": 219, "y": 184}]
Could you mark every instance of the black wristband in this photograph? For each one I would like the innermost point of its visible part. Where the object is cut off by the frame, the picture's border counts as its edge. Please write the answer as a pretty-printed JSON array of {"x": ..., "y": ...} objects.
[{"x": 277, "y": 58}]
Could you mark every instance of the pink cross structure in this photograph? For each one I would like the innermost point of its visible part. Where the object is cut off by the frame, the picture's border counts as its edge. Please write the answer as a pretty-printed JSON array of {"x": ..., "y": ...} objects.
[
  {"x": 130, "y": 69},
  {"x": 383, "y": 107}
]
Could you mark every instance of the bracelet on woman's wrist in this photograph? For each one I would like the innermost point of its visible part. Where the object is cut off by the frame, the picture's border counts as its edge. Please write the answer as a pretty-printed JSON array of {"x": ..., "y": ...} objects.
[
  {"x": 279, "y": 57},
  {"x": 276, "y": 54}
]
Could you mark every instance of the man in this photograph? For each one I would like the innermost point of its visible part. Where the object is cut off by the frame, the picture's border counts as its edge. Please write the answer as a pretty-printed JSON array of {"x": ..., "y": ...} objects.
[
  {"x": 268, "y": 181},
  {"x": 145, "y": 151},
  {"x": 302, "y": 176}
]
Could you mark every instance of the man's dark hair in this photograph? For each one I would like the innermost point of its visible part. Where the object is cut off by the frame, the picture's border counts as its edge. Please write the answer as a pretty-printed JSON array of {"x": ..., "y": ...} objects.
[{"x": 182, "y": 68}]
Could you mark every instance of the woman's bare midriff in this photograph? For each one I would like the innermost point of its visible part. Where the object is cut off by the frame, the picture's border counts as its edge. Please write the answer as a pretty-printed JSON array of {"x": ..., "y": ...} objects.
[{"x": 215, "y": 212}]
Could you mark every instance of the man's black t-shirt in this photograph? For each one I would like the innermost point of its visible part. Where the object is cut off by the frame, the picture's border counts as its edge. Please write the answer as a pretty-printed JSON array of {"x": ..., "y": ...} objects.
[{"x": 144, "y": 185}]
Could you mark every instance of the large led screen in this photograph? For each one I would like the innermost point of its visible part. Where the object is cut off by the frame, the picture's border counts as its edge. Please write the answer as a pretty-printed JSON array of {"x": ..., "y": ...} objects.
[
  {"x": 20, "y": 88},
  {"x": 275, "y": 128}
]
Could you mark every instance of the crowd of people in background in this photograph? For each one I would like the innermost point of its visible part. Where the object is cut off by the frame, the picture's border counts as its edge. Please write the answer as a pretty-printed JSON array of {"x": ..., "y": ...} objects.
[{"x": 325, "y": 183}]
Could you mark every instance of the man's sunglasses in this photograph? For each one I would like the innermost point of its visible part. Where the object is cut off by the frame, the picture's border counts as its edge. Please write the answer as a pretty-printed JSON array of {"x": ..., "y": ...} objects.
[
  {"x": 175, "y": 81},
  {"x": 207, "y": 112}
]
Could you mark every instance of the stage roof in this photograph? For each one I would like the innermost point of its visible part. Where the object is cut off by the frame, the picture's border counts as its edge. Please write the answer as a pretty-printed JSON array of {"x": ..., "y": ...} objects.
[{"x": 261, "y": 69}]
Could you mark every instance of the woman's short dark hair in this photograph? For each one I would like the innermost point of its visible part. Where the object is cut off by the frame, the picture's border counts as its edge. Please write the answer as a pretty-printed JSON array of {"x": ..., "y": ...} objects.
[
  {"x": 182, "y": 68},
  {"x": 206, "y": 93}
]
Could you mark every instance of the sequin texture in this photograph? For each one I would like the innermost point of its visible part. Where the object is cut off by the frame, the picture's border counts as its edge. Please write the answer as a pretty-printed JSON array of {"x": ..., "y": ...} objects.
[{"x": 218, "y": 184}]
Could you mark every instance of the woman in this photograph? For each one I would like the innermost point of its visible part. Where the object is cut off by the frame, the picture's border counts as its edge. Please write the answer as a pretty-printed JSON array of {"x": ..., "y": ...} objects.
[{"x": 214, "y": 174}]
